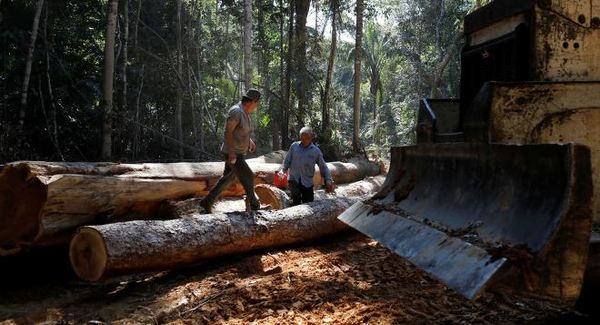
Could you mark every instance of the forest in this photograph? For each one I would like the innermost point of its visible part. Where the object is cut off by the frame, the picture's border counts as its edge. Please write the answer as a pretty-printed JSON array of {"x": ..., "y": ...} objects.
[{"x": 137, "y": 81}]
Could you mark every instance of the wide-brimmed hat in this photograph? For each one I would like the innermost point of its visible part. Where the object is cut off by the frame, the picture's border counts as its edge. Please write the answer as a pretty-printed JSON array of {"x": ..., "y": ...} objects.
[{"x": 252, "y": 94}]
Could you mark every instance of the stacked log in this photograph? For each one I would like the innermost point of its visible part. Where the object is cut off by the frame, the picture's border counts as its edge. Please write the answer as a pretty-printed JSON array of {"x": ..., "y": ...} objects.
[
  {"x": 98, "y": 252},
  {"x": 274, "y": 197},
  {"x": 279, "y": 199},
  {"x": 38, "y": 201},
  {"x": 41, "y": 203},
  {"x": 275, "y": 157}
]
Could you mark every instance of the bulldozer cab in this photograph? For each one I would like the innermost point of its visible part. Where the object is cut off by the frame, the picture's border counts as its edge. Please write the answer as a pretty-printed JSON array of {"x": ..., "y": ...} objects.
[{"x": 498, "y": 191}]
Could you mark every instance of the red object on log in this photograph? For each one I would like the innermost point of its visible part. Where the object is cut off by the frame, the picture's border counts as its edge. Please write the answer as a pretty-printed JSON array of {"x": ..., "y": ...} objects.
[{"x": 280, "y": 181}]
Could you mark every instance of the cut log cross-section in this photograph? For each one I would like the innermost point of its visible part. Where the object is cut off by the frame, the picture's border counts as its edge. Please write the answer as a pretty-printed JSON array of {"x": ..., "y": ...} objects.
[
  {"x": 41, "y": 203},
  {"x": 98, "y": 252}
]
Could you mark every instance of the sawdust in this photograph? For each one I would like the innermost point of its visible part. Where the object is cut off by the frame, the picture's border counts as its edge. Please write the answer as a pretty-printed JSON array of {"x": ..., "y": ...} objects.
[{"x": 344, "y": 280}]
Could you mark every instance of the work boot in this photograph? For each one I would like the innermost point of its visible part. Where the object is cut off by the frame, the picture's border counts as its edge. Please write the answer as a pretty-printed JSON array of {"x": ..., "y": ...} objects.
[{"x": 206, "y": 205}]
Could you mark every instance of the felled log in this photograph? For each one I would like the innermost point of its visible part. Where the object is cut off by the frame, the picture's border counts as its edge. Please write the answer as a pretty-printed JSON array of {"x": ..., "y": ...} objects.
[
  {"x": 279, "y": 199},
  {"x": 276, "y": 198},
  {"x": 98, "y": 252},
  {"x": 354, "y": 170},
  {"x": 275, "y": 157},
  {"x": 41, "y": 203},
  {"x": 39, "y": 200}
]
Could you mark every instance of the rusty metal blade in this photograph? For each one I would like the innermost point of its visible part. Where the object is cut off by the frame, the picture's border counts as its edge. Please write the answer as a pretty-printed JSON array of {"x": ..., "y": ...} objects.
[
  {"x": 463, "y": 267},
  {"x": 476, "y": 214}
]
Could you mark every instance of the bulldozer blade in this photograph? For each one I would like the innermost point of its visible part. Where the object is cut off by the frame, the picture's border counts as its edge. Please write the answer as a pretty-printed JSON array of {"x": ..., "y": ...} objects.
[{"x": 479, "y": 215}]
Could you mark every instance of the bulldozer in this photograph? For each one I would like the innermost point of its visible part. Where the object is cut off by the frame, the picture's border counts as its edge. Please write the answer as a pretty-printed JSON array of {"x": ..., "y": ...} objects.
[{"x": 498, "y": 191}]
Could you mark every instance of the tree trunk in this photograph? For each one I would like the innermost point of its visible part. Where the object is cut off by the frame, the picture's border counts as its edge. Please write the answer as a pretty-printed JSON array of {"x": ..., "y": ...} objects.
[
  {"x": 54, "y": 123},
  {"x": 201, "y": 103},
  {"x": 278, "y": 199},
  {"x": 277, "y": 125},
  {"x": 285, "y": 125},
  {"x": 190, "y": 57},
  {"x": 29, "y": 63},
  {"x": 327, "y": 132},
  {"x": 302, "y": 82},
  {"x": 125, "y": 58},
  {"x": 137, "y": 129},
  {"x": 441, "y": 66},
  {"x": 179, "y": 108},
  {"x": 99, "y": 252},
  {"x": 357, "y": 75},
  {"x": 137, "y": 24},
  {"x": 247, "y": 44},
  {"x": 107, "y": 85}
]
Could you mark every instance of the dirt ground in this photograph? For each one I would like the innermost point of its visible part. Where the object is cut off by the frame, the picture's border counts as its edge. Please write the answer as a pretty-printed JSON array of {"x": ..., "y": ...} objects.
[{"x": 349, "y": 279}]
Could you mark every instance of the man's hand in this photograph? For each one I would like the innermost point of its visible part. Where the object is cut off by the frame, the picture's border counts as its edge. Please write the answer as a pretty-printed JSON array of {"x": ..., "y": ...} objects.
[
  {"x": 231, "y": 158},
  {"x": 252, "y": 146},
  {"x": 330, "y": 187}
]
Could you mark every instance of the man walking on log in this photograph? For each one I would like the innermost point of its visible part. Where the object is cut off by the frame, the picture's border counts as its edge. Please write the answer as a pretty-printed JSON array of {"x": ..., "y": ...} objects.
[
  {"x": 237, "y": 143},
  {"x": 300, "y": 161}
]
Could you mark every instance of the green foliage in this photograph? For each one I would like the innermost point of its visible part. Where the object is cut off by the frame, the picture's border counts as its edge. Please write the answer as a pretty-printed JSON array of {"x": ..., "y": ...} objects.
[{"x": 404, "y": 42}]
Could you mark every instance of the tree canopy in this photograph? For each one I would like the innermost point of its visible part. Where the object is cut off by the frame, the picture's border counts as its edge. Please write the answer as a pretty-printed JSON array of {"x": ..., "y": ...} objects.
[{"x": 180, "y": 65}]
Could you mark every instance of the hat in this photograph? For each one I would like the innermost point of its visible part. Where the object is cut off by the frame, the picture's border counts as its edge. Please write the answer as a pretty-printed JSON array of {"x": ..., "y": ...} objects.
[{"x": 252, "y": 94}]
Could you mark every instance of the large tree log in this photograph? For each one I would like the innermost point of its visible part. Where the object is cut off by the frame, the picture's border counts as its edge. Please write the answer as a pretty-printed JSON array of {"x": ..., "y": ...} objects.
[
  {"x": 270, "y": 195},
  {"x": 42, "y": 202},
  {"x": 98, "y": 252},
  {"x": 275, "y": 157},
  {"x": 279, "y": 199},
  {"x": 39, "y": 200}
]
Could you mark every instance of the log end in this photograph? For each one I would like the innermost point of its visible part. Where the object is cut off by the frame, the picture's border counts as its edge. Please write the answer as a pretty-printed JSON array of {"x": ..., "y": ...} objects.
[
  {"x": 22, "y": 198},
  {"x": 271, "y": 195},
  {"x": 88, "y": 254}
]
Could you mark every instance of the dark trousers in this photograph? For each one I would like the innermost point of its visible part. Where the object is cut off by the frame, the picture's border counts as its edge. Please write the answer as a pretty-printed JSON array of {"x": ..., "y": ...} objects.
[
  {"x": 241, "y": 171},
  {"x": 301, "y": 193}
]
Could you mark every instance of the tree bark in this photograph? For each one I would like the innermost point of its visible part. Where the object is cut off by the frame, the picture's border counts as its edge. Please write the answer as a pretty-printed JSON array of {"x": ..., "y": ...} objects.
[
  {"x": 125, "y": 58},
  {"x": 137, "y": 129},
  {"x": 198, "y": 80},
  {"x": 179, "y": 108},
  {"x": 137, "y": 24},
  {"x": 357, "y": 75},
  {"x": 99, "y": 252},
  {"x": 53, "y": 118},
  {"x": 289, "y": 70},
  {"x": 282, "y": 90},
  {"x": 29, "y": 63},
  {"x": 278, "y": 199},
  {"x": 327, "y": 132},
  {"x": 247, "y": 44},
  {"x": 107, "y": 85},
  {"x": 441, "y": 66},
  {"x": 302, "y": 82}
]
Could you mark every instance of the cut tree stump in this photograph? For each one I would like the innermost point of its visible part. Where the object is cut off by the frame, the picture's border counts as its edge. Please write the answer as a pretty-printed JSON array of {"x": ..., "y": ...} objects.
[
  {"x": 41, "y": 203},
  {"x": 279, "y": 199},
  {"x": 99, "y": 252}
]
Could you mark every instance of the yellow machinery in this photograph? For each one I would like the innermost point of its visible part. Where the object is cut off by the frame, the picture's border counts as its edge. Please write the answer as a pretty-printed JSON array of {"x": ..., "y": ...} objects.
[{"x": 494, "y": 192}]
